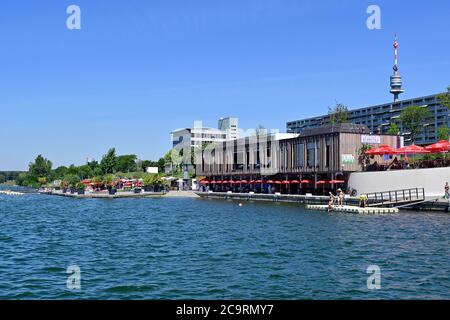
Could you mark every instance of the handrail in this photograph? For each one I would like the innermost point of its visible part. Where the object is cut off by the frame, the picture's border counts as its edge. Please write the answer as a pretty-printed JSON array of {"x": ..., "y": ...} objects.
[{"x": 396, "y": 196}]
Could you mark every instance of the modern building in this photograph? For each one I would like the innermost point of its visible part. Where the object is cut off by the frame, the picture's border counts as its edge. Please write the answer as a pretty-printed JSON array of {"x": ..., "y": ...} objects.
[
  {"x": 231, "y": 126},
  {"x": 326, "y": 153},
  {"x": 378, "y": 118},
  {"x": 197, "y": 136},
  {"x": 200, "y": 135}
]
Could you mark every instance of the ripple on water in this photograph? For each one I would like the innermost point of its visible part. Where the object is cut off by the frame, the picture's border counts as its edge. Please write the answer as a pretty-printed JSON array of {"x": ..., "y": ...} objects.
[{"x": 203, "y": 249}]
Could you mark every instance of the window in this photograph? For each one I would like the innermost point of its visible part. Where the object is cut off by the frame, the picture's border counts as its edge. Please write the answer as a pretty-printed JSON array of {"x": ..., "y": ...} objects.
[
  {"x": 300, "y": 155},
  {"x": 311, "y": 154}
]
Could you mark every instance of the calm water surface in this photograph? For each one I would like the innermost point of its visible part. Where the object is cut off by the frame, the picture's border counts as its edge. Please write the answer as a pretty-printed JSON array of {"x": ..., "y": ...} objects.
[{"x": 212, "y": 249}]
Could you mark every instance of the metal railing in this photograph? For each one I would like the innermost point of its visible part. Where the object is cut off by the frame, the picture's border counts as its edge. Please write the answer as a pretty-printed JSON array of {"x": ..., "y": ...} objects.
[{"x": 395, "y": 197}]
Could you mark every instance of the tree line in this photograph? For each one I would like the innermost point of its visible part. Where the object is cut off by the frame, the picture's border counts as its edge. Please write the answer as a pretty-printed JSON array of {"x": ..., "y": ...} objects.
[{"x": 41, "y": 172}]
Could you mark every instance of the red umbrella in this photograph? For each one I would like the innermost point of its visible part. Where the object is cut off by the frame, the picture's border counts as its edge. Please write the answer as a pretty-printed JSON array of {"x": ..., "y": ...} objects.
[
  {"x": 243, "y": 181},
  {"x": 439, "y": 147},
  {"x": 412, "y": 149},
  {"x": 295, "y": 182},
  {"x": 321, "y": 182},
  {"x": 337, "y": 181},
  {"x": 230, "y": 182},
  {"x": 286, "y": 182},
  {"x": 204, "y": 182},
  {"x": 252, "y": 182},
  {"x": 277, "y": 182},
  {"x": 381, "y": 150},
  {"x": 305, "y": 181},
  {"x": 269, "y": 181},
  {"x": 258, "y": 181}
]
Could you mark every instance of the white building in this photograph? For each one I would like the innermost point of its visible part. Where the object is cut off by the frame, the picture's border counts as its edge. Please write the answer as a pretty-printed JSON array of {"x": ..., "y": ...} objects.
[
  {"x": 197, "y": 136},
  {"x": 229, "y": 125},
  {"x": 200, "y": 135}
]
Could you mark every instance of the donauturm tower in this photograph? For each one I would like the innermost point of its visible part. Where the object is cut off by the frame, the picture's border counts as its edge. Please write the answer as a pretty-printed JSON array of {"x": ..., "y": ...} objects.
[{"x": 396, "y": 79}]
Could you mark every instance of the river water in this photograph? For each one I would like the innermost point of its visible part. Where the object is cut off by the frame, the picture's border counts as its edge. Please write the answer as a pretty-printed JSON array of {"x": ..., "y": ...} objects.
[{"x": 174, "y": 248}]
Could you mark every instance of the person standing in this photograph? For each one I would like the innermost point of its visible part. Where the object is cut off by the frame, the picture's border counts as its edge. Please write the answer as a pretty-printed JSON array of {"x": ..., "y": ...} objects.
[
  {"x": 340, "y": 197},
  {"x": 330, "y": 201},
  {"x": 446, "y": 191}
]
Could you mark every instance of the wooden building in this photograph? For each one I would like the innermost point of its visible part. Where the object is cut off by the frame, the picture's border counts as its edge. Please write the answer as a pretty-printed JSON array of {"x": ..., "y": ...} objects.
[{"x": 325, "y": 153}]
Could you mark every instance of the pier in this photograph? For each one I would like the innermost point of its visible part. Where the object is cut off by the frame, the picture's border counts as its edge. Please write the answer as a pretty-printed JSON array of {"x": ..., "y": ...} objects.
[
  {"x": 105, "y": 195},
  {"x": 10, "y": 193},
  {"x": 289, "y": 198},
  {"x": 353, "y": 209}
]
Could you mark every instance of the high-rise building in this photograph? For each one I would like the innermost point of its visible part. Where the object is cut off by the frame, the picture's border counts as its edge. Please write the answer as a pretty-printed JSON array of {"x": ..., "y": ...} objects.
[
  {"x": 378, "y": 118},
  {"x": 230, "y": 125}
]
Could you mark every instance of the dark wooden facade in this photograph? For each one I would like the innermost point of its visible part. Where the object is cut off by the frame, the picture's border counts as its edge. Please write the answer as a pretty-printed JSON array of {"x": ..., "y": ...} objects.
[{"x": 324, "y": 152}]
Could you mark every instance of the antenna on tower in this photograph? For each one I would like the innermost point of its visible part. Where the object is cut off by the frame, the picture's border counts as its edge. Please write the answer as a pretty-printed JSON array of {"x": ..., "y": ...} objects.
[{"x": 396, "y": 79}]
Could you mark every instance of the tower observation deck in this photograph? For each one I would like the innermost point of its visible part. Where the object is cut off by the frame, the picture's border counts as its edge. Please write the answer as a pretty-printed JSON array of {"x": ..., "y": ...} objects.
[{"x": 396, "y": 79}]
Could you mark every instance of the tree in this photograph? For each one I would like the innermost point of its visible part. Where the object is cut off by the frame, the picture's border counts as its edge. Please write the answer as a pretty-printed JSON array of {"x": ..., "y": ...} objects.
[
  {"x": 41, "y": 167},
  {"x": 443, "y": 133},
  {"x": 126, "y": 163},
  {"x": 93, "y": 165},
  {"x": 2, "y": 178},
  {"x": 413, "y": 118},
  {"x": 363, "y": 158},
  {"x": 161, "y": 164},
  {"x": 85, "y": 172},
  {"x": 60, "y": 172},
  {"x": 444, "y": 98},
  {"x": 338, "y": 114},
  {"x": 393, "y": 129},
  {"x": 109, "y": 161}
]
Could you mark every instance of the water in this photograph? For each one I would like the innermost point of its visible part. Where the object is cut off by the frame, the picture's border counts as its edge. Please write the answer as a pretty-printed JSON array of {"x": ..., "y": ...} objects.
[{"x": 212, "y": 249}]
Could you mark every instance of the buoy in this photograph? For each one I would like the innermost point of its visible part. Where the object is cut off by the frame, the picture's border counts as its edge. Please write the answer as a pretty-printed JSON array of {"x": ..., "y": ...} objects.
[{"x": 240, "y": 204}]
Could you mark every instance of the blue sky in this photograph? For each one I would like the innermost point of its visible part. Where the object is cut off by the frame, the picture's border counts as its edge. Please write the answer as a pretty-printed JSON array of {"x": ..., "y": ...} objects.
[{"x": 138, "y": 69}]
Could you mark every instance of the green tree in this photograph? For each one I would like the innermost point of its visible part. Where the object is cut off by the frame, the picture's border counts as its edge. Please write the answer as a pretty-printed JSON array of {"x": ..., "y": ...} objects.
[
  {"x": 126, "y": 163},
  {"x": 73, "y": 170},
  {"x": 363, "y": 158},
  {"x": 93, "y": 165},
  {"x": 59, "y": 172},
  {"x": 393, "y": 129},
  {"x": 413, "y": 119},
  {"x": 444, "y": 98},
  {"x": 71, "y": 179},
  {"x": 338, "y": 114},
  {"x": 161, "y": 164},
  {"x": 85, "y": 172},
  {"x": 109, "y": 161},
  {"x": 41, "y": 167},
  {"x": 2, "y": 178},
  {"x": 443, "y": 133}
]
